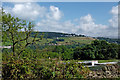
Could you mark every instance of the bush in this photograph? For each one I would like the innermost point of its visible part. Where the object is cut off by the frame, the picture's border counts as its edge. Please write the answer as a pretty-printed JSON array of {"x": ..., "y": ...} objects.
[{"x": 42, "y": 69}]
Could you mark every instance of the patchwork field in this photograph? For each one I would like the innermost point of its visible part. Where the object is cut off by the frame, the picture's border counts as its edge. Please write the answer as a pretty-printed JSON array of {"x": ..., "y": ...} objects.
[{"x": 66, "y": 40}]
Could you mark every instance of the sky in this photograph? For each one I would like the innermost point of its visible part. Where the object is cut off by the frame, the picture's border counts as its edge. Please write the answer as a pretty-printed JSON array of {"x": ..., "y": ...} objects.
[{"x": 95, "y": 19}]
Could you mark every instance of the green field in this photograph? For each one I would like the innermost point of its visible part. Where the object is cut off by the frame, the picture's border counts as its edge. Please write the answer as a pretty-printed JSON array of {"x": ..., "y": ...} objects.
[
  {"x": 111, "y": 60},
  {"x": 99, "y": 61},
  {"x": 67, "y": 40}
]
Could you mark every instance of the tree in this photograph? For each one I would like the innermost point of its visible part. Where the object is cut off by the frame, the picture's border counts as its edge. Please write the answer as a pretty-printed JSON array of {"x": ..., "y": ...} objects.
[
  {"x": 77, "y": 53},
  {"x": 114, "y": 50},
  {"x": 119, "y": 51},
  {"x": 17, "y": 32},
  {"x": 97, "y": 50}
]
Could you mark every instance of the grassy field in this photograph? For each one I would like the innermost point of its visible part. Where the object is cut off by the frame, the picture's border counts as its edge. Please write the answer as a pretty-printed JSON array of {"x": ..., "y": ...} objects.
[
  {"x": 112, "y": 60},
  {"x": 99, "y": 61},
  {"x": 74, "y": 40},
  {"x": 67, "y": 40},
  {"x": 103, "y": 61}
]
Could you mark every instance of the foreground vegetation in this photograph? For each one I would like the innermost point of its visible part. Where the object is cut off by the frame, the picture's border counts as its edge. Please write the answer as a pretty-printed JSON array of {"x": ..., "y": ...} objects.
[{"x": 42, "y": 69}]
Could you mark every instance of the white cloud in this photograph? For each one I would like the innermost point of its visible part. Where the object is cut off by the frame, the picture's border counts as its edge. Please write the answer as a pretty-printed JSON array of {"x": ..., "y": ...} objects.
[
  {"x": 19, "y": 0},
  {"x": 88, "y": 27},
  {"x": 50, "y": 20},
  {"x": 54, "y": 13},
  {"x": 114, "y": 20},
  {"x": 87, "y": 19},
  {"x": 32, "y": 11},
  {"x": 29, "y": 11},
  {"x": 56, "y": 26},
  {"x": 114, "y": 10}
]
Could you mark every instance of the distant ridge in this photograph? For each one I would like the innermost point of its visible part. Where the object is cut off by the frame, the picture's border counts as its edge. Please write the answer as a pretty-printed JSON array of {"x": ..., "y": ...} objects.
[
  {"x": 110, "y": 40},
  {"x": 59, "y": 34},
  {"x": 55, "y": 34}
]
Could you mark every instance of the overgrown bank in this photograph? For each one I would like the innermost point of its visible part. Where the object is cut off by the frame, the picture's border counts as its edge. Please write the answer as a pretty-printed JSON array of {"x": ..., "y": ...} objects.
[
  {"x": 108, "y": 71},
  {"x": 42, "y": 69}
]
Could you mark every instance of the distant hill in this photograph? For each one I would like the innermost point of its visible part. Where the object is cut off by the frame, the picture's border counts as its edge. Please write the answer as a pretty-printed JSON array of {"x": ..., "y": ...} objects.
[
  {"x": 55, "y": 34},
  {"x": 64, "y": 36},
  {"x": 56, "y": 38},
  {"x": 110, "y": 40}
]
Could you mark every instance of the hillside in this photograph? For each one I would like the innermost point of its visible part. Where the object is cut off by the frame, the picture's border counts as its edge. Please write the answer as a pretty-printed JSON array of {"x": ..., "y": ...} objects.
[
  {"x": 55, "y": 34},
  {"x": 110, "y": 40},
  {"x": 66, "y": 41},
  {"x": 55, "y": 38}
]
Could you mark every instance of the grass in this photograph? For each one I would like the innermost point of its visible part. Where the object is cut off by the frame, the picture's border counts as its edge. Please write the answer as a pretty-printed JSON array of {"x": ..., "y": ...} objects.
[
  {"x": 67, "y": 40},
  {"x": 112, "y": 60},
  {"x": 100, "y": 61},
  {"x": 75, "y": 40}
]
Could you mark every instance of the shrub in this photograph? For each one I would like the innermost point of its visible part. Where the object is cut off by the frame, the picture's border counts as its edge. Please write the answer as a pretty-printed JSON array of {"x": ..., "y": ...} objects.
[{"x": 42, "y": 69}]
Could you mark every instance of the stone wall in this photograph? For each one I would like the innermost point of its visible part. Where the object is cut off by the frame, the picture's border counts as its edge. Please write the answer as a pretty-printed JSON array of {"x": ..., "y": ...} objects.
[{"x": 108, "y": 71}]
